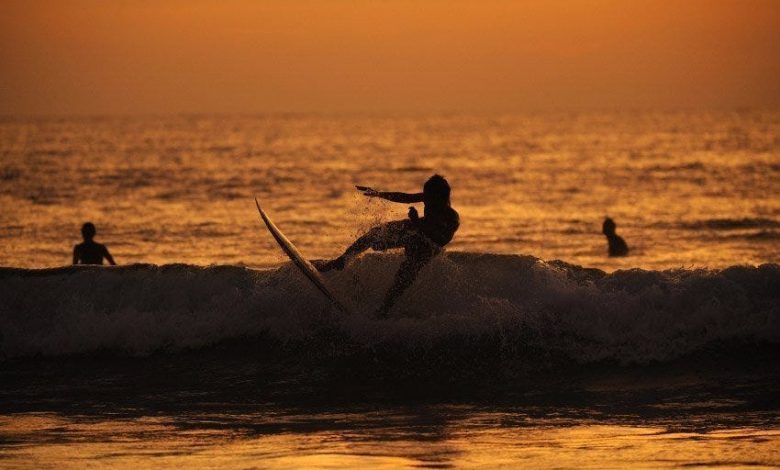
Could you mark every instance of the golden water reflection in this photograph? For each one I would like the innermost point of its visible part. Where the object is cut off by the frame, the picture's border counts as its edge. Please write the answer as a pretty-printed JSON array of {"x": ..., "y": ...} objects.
[{"x": 476, "y": 441}]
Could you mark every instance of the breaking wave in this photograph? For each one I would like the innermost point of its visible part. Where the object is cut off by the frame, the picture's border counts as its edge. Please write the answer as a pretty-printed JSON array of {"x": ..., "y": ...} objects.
[{"x": 521, "y": 306}]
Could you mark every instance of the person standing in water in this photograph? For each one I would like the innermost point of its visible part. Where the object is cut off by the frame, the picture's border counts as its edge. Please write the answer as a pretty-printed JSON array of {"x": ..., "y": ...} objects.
[
  {"x": 617, "y": 246},
  {"x": 421, "y": 237},
  {"x": 89, "y": 251}
]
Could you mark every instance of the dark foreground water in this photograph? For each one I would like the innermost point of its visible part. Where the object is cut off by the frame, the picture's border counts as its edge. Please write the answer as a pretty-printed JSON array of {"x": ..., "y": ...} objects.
[
  {"x": 489, "y": 361},
  {"x": 241, "y": 405}
]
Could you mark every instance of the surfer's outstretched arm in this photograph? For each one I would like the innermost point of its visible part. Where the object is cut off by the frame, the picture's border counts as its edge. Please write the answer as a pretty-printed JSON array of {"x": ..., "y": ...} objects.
[{"x": 403, "y": 198}]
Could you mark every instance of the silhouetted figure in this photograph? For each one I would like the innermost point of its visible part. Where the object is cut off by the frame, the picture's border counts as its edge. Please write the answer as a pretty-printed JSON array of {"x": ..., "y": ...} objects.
[
  {"x": 420, "y": 237},
  {"x": 617, "y": 246},
  {"x": 90, "y": 252}
]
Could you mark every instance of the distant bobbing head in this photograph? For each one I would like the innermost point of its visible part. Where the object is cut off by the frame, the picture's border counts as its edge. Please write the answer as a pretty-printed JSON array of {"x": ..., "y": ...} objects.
[
  {"x": 609, "y": 226},
  {"x": 436, "y": 191},
  {"x": 88, "y": 231}
]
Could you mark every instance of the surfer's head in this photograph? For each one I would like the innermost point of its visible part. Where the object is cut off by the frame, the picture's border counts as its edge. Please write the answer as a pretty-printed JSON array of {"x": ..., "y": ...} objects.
[
  {"x": 436, "y": 190},
  {"x": 608, "y": 227},
  {"x": 88, "y": 231}
]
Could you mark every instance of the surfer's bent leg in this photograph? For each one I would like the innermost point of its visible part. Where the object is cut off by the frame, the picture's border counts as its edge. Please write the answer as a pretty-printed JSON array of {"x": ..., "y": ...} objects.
[
  {"x": 416, "y": 258},
  {"x": 378, "y": 238}
]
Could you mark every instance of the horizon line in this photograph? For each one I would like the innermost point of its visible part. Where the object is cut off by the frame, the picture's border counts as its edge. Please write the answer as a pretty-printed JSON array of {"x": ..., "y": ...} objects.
[{"x": 389, "y": 112}]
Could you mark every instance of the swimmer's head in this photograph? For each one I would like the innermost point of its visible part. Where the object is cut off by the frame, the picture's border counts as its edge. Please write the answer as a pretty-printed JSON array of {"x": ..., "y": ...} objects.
[
  {"x": 88, "y": 231},
  {"x": 608, "y": 227},
  {"x": 436, "y": 190}
]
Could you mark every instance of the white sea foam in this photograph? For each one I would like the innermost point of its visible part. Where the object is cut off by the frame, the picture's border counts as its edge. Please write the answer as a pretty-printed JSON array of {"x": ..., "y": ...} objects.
[{"x": 517, "y": 303}]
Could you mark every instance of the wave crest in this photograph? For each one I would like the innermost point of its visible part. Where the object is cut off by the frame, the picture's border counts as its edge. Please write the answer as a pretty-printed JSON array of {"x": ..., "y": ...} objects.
[{"x": 521, "y": 306}]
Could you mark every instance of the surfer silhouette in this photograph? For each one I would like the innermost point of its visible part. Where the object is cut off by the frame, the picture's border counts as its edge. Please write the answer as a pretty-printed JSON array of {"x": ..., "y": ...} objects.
[
  {"x": 617, "y": 246},
  {"x": 89, "y": 251},
  {"x": 420, "y": 237}
]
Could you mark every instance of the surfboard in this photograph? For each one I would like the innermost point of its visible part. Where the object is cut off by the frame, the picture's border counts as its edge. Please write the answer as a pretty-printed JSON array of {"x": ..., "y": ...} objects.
[{"x": 298, "y": 260}]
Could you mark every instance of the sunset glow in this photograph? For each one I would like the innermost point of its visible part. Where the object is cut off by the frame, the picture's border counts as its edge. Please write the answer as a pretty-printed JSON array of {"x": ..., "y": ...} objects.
[
  {"x": 350, "y": 234},
  {"x": 91, "y": 56}
]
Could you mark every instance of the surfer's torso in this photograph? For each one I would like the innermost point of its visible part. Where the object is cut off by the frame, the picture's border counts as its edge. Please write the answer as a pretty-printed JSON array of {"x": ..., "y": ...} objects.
[
  {"x": 617, "y": 246},
  {"x": 439, "y": 224},
  {"x": 91, "y": 252}
]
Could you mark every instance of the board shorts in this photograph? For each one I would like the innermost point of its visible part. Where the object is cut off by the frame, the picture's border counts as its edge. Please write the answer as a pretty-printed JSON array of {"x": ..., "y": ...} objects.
[{"x": 402, "y": 234}]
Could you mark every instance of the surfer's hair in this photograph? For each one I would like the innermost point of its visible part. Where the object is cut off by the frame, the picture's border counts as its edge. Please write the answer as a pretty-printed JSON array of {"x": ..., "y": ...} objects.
[
  {"x": 437, "y": 187},
  {"x": 88, "y": 231}
]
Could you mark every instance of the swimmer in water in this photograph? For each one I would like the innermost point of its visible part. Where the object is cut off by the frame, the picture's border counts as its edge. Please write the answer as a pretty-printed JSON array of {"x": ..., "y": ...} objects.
[
  {"x": 617, "y": 246},
  {"x": 89, "y": 251}
]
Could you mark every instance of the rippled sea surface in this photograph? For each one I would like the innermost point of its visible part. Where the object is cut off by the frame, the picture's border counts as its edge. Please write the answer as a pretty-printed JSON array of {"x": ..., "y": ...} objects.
[
  {"x": 494, "y": 358},
  {"x": 201, "y": 411},
  {"x": 422, "y": 437},
  {"x": 686, "y": 189}
]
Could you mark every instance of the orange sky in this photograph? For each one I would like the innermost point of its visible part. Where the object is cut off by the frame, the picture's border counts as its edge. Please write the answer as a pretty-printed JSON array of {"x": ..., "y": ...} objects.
[{"x": 161, "y": 56}]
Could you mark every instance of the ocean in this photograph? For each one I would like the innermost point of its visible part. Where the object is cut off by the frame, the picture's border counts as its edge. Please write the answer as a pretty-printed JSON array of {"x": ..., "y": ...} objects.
[
  {"x": 686, "y": 189},
  {"x": 523, "y": 345}
]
